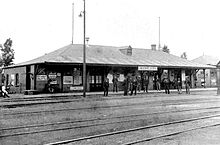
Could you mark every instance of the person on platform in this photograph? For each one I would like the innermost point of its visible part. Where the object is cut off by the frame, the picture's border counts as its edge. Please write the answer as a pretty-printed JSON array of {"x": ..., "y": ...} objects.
[
  {"x": 115, "y": 83},
  {"x": 134, "y": 86},
  {"x": 158, "y": 83},
  {"x": 187, "y": 85},
  {"x": 179, "y": 86},
  {"x": 4, "y": 92},
  {"x": 106, "y": 86},
  {"x": 166, "y": 82},
  {"x": 125, "y": 86},
  {"x": 130, "y": 85},
  {"x": 146, "y": 83},
  {"x": 139, "y": 83}
]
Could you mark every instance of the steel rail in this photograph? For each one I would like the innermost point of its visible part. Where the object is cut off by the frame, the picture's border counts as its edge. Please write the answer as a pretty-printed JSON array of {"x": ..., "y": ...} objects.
[
  {"x": 169, "y": 134},
  {"x": 104, "y": 107},
  {"x": 131, "y": 130},
  {"x": 92, "y": 124}
]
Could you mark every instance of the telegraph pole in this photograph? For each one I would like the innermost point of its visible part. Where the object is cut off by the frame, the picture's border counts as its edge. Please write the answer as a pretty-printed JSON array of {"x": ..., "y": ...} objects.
[
  {"x": 72, "y": 21},
  {"x": 159, "y": 35}
]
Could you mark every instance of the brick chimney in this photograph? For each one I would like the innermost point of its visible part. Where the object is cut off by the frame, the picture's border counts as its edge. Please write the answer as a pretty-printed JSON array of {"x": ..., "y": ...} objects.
[{"x": 153, "y": 47}]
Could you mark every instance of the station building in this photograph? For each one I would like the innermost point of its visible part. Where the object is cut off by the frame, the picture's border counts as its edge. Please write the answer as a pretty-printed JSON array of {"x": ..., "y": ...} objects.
[
  {"x": 64, "y": 68},
  {"x": 206, "y": 77}
]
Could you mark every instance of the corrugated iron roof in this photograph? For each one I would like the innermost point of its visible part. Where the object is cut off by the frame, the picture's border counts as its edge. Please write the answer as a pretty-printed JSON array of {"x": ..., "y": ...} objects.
[
  {"x": 109, "y": 55},
  {"x": 205, "y": 59}
]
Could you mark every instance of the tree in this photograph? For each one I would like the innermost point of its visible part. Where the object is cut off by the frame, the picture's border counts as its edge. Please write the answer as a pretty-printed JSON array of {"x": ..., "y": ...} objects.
[
  {"x": 7, "y": 53},
  {"x": 184, "y": 56},
  {"x": 165, "y": 49}
]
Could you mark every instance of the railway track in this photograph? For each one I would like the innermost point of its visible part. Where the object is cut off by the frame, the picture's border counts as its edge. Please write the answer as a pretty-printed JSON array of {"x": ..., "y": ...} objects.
[
  {"x": 104, "y": 138},
  {"x": 62, "y": 124},
  {"x": 93, "y": 122},
  {"x": 150, "y": 103},
  {"x": 25, "y": 102}
]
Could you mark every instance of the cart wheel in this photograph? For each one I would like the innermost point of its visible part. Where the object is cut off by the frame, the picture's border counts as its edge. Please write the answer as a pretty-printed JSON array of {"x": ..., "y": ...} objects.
[{"x": 51, "y": 90}]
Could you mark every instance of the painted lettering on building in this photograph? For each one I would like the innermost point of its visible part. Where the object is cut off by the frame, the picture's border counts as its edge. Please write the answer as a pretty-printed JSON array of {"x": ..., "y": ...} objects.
[{"x": 147, "y": 68}]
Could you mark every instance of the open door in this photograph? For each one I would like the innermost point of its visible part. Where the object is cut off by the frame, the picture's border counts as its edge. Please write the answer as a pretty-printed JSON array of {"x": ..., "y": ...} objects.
[{"x": 28, "y": 78}]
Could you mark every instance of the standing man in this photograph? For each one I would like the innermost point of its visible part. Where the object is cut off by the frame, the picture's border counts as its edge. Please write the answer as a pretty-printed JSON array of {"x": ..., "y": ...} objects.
[
  {"x": 134, "y": 86},
  {"x": 106, "y": 86},
  {"x": 115, "y": 83},
  {"x": 139, "y": 83},
  {"x": 166, "y": 82},
  {"x": 130, "y": 85},
  {"x": 158, "y": 83},
  {"x": 179, "y": 86},
  {"x": 125, "y": 85},
  {"x": 187, "y": 83},
  {"x": 145, "y": 83}
]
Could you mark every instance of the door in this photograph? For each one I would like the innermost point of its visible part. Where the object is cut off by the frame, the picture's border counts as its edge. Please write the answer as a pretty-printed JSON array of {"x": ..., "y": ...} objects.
[
  {"x": 96, "y": 83},
  {"x": 28, "y": 77}
]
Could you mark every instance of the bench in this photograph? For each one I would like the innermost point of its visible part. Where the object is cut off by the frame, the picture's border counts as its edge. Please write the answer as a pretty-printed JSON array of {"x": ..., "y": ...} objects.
[{"x": 30, "y": 92}]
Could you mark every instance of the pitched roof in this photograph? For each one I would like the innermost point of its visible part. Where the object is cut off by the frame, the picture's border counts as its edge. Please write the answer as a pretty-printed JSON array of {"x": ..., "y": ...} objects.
[
  {"x": 109, "y": 55},
  {"x": 205, "y": 59}
]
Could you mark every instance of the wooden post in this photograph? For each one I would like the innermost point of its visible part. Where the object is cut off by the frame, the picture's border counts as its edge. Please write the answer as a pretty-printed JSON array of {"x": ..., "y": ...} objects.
[
  {"x": 204, "y": 77},
  {"x": 218, "y": 78}
]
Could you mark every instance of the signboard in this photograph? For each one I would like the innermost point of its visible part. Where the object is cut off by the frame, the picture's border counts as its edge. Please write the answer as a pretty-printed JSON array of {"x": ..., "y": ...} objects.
[
  {"x": 53, "y": 82},
  {"x": 67, "y": 79},
  {"x": 52, "y": 76},
  {"x": 77, "y": 80},
  {"x": 76, "y": 88},
  {"x": 41, "y": 77},
  {"x": 58, "y": 74},
  {"x": 147, "y": 68},
  {"x": 121, "y": 78},
  {"x": 110, "y": 77}
]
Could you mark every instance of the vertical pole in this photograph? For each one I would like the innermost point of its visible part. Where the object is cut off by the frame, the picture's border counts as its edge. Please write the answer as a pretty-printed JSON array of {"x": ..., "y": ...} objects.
[
  {"x": 204, "y": 77},
  {"x": 159, "y": 35},
  {"x": 84, "y": 51},
  {"x": 218, "y": 80},
  {"x": 72, "y": 21}
]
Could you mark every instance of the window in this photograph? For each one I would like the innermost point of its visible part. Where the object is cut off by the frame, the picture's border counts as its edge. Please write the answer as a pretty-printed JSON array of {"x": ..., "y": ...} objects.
[
  {"x": 12, "y": 81},
  {"x": 98, "y": 79},
  {"x": 17, "y": 79},
  {"x": 92, "y": 79}
]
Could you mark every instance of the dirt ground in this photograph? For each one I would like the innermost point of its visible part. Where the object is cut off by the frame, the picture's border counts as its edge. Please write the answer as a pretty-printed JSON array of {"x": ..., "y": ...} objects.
[{"x": 206, "y": 136}]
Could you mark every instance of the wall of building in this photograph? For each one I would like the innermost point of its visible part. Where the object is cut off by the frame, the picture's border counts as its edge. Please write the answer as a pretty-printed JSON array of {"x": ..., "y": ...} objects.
[
  {"x": 16, "y": 79},
  {"x": 210, "y": 78},
  {"x": 68, "y": 78},
  {"x": 62, "y": 77}
]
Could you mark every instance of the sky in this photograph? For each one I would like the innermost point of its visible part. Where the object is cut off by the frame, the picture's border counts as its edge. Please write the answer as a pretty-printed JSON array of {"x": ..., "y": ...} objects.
[{"x": 37, "y": 27}]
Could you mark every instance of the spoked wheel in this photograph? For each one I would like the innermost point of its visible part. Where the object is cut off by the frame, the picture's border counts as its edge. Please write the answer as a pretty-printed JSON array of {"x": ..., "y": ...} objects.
[{"x": 51, "y": 89}]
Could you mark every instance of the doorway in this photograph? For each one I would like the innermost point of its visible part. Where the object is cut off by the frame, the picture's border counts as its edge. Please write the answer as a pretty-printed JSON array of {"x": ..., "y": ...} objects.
[{"x": 28, "y": 77}]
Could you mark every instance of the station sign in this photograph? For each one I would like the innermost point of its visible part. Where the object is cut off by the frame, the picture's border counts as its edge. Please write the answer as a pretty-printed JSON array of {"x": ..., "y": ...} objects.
[
  {"x": 147, "y": 68},
  {"x": 76, "y": 88}
]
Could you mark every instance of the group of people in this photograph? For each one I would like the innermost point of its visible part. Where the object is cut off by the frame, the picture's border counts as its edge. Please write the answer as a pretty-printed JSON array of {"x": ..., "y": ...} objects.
[
  {"x": 106, "y": 85},
  {"x": 178, "y": 85},
  {"x": 132, "y": 84}
]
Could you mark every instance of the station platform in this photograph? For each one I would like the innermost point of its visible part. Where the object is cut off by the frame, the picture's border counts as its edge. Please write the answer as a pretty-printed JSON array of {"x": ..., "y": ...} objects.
[{"x": 99, "y": 93}]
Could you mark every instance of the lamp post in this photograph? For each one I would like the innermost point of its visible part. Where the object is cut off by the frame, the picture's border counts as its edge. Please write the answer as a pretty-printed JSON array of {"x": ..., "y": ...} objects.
[{"x": 84, "y": 50}]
